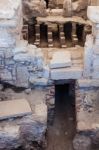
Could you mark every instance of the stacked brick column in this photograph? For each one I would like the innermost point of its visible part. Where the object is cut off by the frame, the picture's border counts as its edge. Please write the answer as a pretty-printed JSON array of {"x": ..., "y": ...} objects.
[
  {"x": 74, "y": 35},
  {"x": 37, "y": 35},
  {"x": 62, "y": 36},
  {"x": 50, "y": 37}
]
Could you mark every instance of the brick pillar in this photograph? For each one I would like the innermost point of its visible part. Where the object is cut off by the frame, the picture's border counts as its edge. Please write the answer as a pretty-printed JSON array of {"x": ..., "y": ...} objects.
[
  {"x": 62, "y": 36},
  {"x": 37, "y": 35},
  {"x": 74, "y": 35},
  {"x": 50, "y": 37}
]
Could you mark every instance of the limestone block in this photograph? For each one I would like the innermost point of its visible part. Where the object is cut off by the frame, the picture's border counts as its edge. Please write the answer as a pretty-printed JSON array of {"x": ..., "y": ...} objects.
[
  {"x": 26, "y": 52},
  {"x": 88, "y": 83},
  {"x": 96, "y": 49},
  {"x": 6, "y": 39},
  {"x": 11, "y": 16},
  {"x": 8, "y": 53},
  {"x": 88, "y": 55},
  {"x": 96, "y": 63},
  {"x": 15, "y": 108},
  {"x": 5, "y": 75},
  {"x": 21, "y": 47},
  {"x": 66, "y": 73},
  {"x": 8, "y": 9},
  {"x": 38, "y": 81},
  {"x": 60, "y": 60},
  {"x": 93, "y": 13},
  {"x": 46, "y": 72},
  {"x": 22, "y": 76},
  {"x": 41, "y": 111},
  {"x": 95, "y": 74},
  {"x": 25, "y": 57}
]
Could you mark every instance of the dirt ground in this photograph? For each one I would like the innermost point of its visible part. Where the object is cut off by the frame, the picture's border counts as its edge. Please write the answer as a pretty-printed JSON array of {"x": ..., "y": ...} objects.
[{"x": 61, "y": 133}]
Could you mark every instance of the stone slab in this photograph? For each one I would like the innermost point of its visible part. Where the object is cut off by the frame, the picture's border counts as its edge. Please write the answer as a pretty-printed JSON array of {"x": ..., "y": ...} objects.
[
  {"x": 14, "y": 108},
  {"x": 61, "y": 59},
  {"x": 66, "y": 73},
  {"x": 88, "y": 83}
]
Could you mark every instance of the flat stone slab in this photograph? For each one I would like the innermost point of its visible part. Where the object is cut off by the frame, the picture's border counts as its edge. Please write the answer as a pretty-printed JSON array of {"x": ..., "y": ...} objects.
[
  {"x": 61, "y": 59},
  {"x": 14, "y": 108},
  {"x": 66, "y": 73}
]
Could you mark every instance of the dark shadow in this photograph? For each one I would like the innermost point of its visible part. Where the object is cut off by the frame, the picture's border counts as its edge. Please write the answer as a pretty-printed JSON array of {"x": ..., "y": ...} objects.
[{"x": 62, "y": 132}]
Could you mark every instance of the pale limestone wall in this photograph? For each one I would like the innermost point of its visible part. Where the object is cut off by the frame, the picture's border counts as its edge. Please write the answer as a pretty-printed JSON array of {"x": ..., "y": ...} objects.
[
  {"x": 91, "y": 67},
  {"x": 21, "y": 64}
]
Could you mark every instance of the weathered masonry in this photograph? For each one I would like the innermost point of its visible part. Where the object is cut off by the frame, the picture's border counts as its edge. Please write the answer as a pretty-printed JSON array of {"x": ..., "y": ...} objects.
[{"x": 44, "y": 43}]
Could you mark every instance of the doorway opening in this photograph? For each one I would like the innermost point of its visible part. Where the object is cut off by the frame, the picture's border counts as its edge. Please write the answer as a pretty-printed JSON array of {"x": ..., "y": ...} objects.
[{"x": 62, "y": 132}]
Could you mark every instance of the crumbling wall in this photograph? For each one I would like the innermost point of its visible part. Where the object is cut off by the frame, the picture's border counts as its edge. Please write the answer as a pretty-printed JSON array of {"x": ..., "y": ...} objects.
[
  {"x": 21, "y": 64},
  {"x": 34, "y": 8}
]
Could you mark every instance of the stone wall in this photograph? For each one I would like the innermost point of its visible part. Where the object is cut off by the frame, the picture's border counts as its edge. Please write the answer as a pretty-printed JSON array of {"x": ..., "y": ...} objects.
[
  {"x": 21, "y": 64},
  {"x": 91, "y": 59}
]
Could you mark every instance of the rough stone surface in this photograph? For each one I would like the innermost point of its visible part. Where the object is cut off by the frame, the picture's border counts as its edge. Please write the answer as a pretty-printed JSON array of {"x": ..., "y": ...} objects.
[
  {"x": 93, "y": 13},
  {"x": 82, "y": 142},
  {"x": 14, "y": 108},
  {"x": 60, "y": 60},
  {"x": 66, "y": 73}
]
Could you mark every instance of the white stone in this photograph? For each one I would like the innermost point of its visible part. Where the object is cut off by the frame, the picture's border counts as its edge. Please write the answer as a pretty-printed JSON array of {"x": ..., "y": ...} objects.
[
  {"x": 96, "y": 63},
  {"x": 38, "y": 81},
  {"x": 96, "y": 49},
  {"x": 46, "y": 72},
  {"x": 5, "y": 75},
  {"x": 93, "y": 13},
  {"x": 88, "y": 83},
  {"x": 21, "y": 47},
  {"x": 41, "y": 111},
  {"x": 66, "y": 73},
  {"x": 14, "y": 108},
  {"x": 95, "y": 74},
  {"x": 6, "y": 39},
  {"x": 88, "y": 55},
  {"x": 60, "y": 59},
  {"x": 8, "y": 8}
]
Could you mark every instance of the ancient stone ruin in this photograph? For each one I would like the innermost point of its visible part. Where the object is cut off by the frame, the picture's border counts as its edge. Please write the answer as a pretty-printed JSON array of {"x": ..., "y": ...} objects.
[{"x": 49, "y": 75}]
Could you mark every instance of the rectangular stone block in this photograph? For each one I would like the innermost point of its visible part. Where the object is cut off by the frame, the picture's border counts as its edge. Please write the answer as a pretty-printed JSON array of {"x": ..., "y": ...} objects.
[
  {"x": 88, "y": 83},
  {"x": 60, "y": 59},
  {"x": 66, "y": 73},
  {"x": 14, "y": 108}
]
